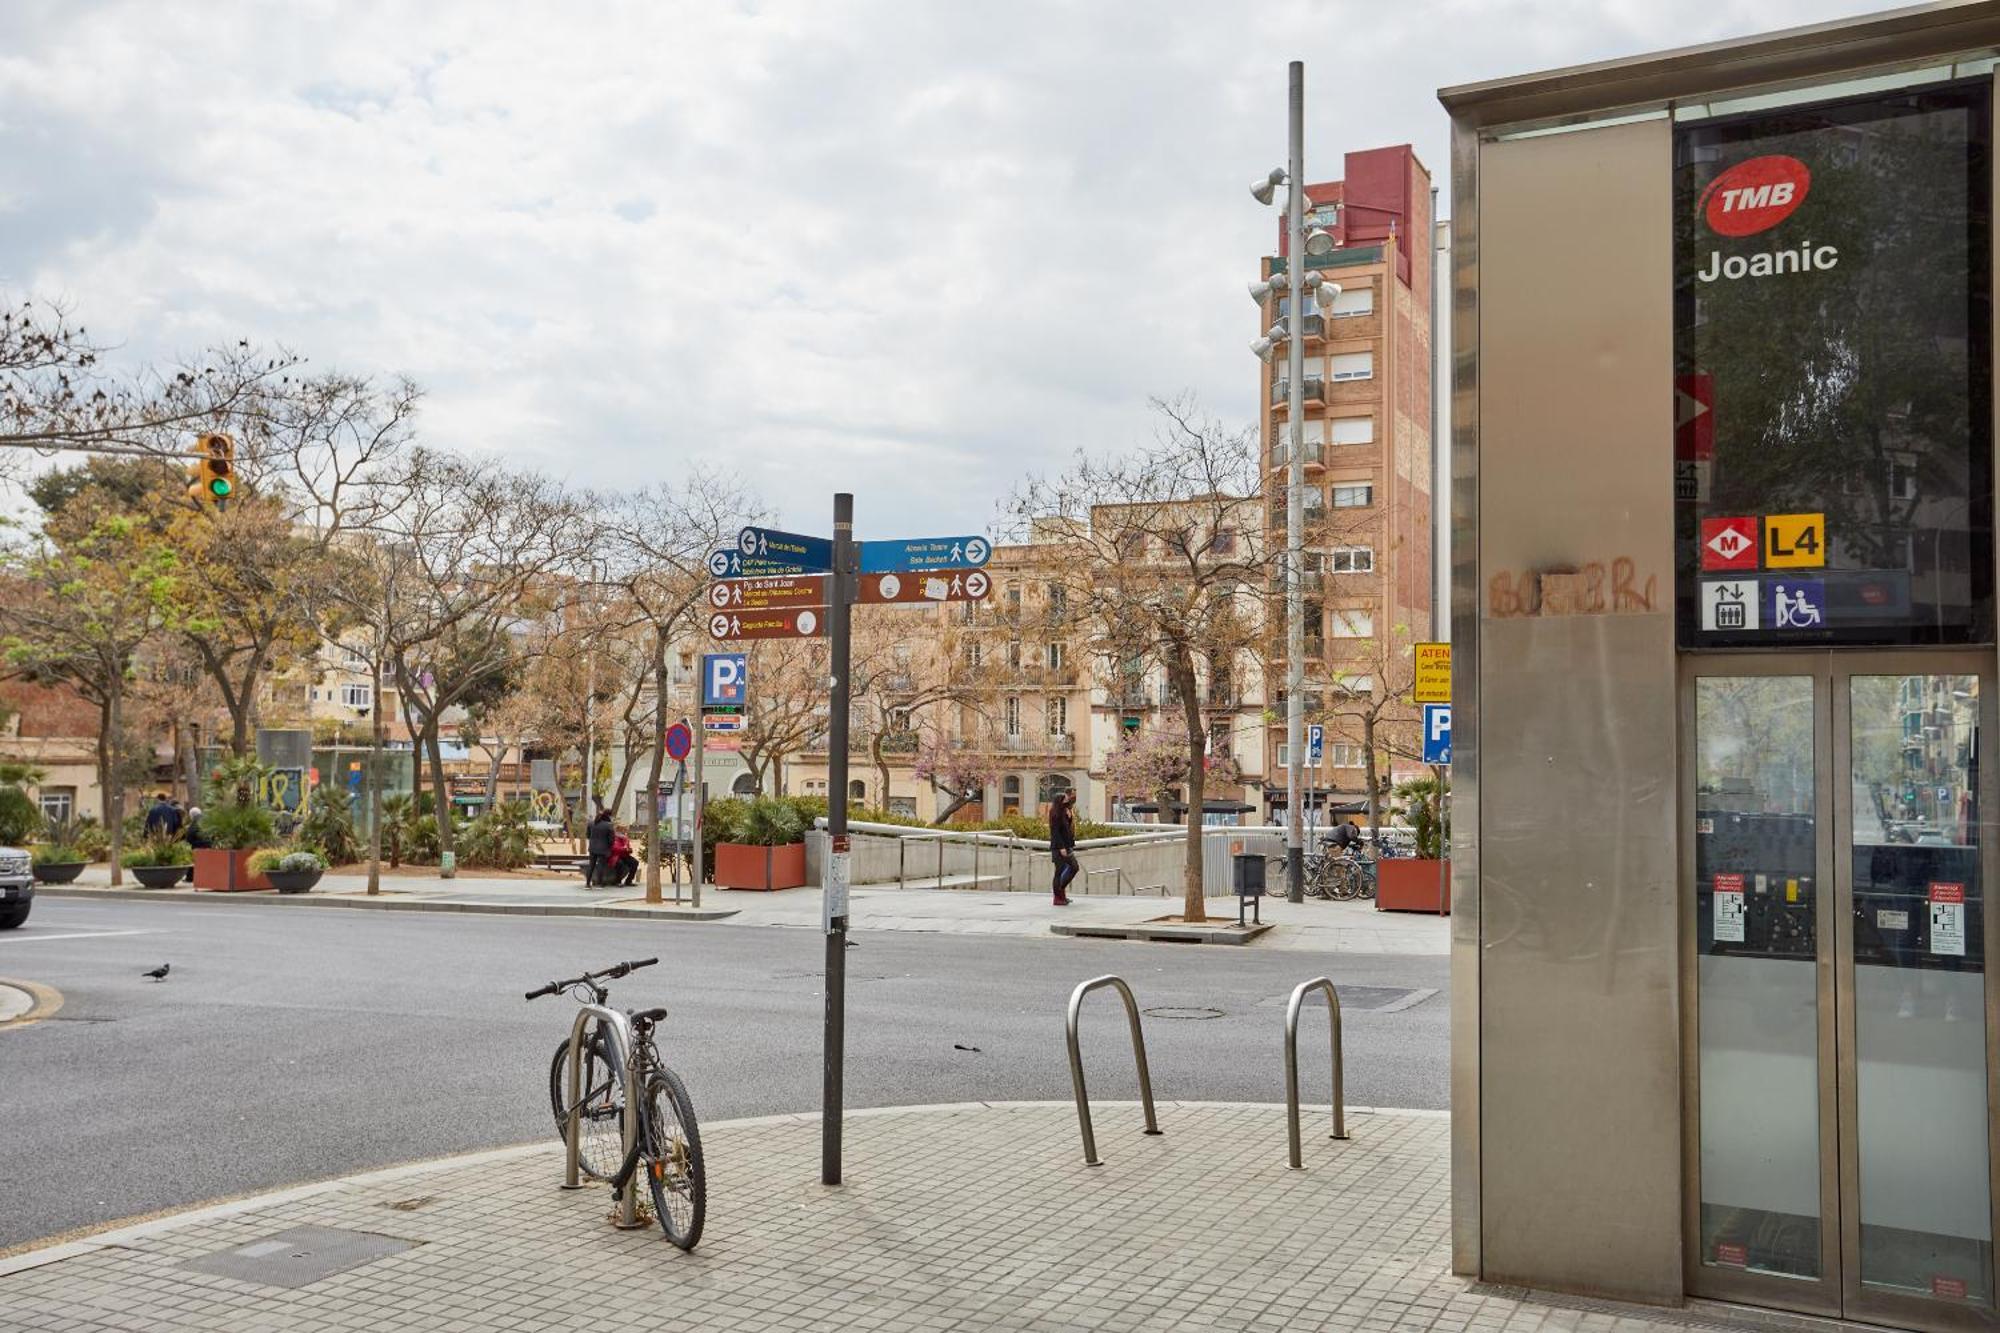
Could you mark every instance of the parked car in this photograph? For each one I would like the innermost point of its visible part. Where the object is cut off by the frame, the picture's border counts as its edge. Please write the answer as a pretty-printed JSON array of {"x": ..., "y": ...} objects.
[{"x": 17, "y": 887}]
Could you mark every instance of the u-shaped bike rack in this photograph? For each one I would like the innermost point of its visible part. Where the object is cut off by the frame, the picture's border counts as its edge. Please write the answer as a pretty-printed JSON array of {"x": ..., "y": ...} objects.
[
  {"x": 1292, "y": 1066},
  {"x": 1076, "y": 1061},
  {"x": 620, "y": 1029}
]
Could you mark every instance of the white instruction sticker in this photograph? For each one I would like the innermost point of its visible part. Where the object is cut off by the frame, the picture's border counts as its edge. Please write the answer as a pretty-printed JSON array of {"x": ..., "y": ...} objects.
[
  {"x": 1729, "y": 909},
  {"x": 833, "y": 888},
  {"x": 1888, "y": 920},
  {"x": 1948, "y": 919}
]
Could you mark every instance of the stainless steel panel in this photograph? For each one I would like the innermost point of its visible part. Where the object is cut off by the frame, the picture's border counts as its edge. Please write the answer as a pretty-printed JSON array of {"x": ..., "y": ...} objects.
[
  {"x": 1465, "y": 590},
  {"x": 1579, "y": 1069}
]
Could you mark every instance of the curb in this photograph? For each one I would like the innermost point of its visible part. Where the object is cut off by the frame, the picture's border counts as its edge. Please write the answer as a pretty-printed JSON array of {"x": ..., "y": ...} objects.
[
  {"x": 198, "y": 1213},
  {"x": 665, "y": 912},
  {"x": 1165, "y": 934},
  {"x": 42, "y": 1001}
]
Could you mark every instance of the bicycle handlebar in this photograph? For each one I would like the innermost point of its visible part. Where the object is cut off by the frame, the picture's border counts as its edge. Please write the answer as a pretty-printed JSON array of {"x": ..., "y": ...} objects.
[{"x": 611, "y": 973}]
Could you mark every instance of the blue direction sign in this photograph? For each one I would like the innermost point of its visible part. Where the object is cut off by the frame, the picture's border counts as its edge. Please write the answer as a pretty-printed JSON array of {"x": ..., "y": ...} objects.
[
  {"x": 1437, "y": 733},
  {"x": 786, "y": 548},
  {"x": 924, "y": 553},
  {"x": 729, "y": 563}
]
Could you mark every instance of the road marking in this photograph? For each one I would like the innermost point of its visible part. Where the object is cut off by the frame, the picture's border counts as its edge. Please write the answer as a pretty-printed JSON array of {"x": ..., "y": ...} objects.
[{"x": 71, "y": 935}]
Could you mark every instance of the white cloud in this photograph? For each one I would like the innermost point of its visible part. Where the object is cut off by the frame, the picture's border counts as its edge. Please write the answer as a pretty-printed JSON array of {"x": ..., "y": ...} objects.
[{"x": 909, "y": 250}]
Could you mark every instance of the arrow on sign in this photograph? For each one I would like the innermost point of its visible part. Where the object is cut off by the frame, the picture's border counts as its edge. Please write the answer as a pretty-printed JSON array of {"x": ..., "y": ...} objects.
[
  {"x": 927, "y": 585},
  {"x": 768, "y": 594},
  {"x": 729, "y": 563},
  {"x": 803, "y": 622},
  {"x": 924, "y": 553}
]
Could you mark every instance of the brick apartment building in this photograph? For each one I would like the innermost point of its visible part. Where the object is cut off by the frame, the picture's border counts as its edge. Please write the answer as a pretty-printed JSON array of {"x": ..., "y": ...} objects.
[{"x": 1367, "y": 449}]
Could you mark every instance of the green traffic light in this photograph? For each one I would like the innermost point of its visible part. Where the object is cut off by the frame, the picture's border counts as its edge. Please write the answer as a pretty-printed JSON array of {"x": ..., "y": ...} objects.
[{"x": 218, "y": 487}]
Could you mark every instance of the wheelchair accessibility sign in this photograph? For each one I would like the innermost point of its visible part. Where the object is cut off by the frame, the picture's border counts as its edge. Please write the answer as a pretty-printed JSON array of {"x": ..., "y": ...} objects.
[{"x": 1796, "y": 604}]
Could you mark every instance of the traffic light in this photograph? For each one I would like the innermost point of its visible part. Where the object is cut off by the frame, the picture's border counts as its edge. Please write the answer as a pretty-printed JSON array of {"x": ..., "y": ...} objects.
[{"x": 212, "y": 480}]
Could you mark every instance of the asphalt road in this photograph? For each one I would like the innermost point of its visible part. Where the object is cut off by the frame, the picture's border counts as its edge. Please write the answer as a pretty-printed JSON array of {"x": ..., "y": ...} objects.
[{"x": 296, "y": 1044}]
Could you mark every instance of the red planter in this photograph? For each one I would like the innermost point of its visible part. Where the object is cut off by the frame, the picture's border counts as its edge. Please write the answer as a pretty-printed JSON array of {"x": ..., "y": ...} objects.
[
  {"x": 1406, "y": 885},
  {"x": 226, "y": 870},
  {"x": 743, "y": 866}
]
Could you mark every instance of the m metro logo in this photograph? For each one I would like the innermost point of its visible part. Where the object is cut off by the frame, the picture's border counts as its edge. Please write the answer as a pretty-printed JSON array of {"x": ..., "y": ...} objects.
[{"x": 1755, "y": 195}]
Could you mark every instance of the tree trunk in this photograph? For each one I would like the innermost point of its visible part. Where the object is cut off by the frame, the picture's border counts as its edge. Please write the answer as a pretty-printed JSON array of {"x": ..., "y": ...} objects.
[
  {"x": 192, "y": 758},
  {"x": 881, "y": 759},
  {"x": 1374, "y": 786},
  {"x": 959, "y": 800},
  {"x": 376, "y": 736},
  {"x": 1194, "y": 896},
  {"x": 441, "y": 797},
  {"x": 653, "y": 775},
  {"x": 499, "y": 754},
  {"x": 111, "y": 795}
]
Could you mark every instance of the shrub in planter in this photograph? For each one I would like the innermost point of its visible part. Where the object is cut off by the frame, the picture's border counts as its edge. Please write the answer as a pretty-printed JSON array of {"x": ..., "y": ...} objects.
[
  {"x": 328, "y": 827},
  {"x": 769, "y": 851},
  {"x": 159, "y": 862},
  {"x": 56, "y": 862},
  {"x": 233, "y": 825},
  {"x": 290, "y": 870}
]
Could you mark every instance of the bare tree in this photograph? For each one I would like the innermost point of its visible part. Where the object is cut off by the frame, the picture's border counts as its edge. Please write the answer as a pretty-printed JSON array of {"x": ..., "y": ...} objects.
[
  {"x": 1158, "y": 550},
  {"x": 1368, "y": 704}
]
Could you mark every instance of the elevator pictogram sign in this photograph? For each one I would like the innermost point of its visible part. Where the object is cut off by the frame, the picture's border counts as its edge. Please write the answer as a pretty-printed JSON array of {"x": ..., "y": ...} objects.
[{"x": 1729, "y": 543}]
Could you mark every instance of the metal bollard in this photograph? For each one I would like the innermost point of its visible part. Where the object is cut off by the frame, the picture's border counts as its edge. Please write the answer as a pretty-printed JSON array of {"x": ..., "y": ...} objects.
[
  {"x": 1292, "y": 1066},
  {"x": 1076, "y": 1062}
]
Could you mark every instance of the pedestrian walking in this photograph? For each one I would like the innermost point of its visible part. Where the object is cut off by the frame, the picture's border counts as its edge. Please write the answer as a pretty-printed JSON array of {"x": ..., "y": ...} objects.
[
  {"x": 164, "y": 819},
  {"x": 597, "y": 841},
  {"x": 1062, "y": 844}
]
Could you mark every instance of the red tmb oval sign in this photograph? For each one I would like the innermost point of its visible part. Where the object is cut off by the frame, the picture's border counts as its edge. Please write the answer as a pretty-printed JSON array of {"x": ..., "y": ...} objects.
[{"x": 1756, "y": 195}]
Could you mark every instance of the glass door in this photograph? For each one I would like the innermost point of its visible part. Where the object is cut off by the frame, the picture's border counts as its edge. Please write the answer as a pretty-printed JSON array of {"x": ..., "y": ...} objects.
[{"x": 1840, "y": 1149}]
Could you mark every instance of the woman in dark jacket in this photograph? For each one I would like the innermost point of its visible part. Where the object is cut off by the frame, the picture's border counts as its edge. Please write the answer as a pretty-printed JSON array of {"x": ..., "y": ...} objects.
[
  {"x": 597, "y": 840},
  {"x": 1062, "y": 844}
]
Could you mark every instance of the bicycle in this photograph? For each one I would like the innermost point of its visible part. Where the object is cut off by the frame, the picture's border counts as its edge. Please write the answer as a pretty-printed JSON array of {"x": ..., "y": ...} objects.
[
  {"x": 667, "y": 1139},
  {"x": 1338, "y": 876}
]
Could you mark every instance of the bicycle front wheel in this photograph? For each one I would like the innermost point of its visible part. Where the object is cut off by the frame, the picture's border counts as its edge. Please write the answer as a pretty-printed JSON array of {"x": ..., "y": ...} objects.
[
  {"x": 600, "y": 1138},
  {"x": 673, "y": 1157}
]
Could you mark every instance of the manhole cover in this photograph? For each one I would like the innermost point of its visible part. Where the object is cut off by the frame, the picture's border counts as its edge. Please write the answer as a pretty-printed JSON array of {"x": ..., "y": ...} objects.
[
  {"x": 299, "y": 1257},
  {"x": 1182, "y": 1011}
]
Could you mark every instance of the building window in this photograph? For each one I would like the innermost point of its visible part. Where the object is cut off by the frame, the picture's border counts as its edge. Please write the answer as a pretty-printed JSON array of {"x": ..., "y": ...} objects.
[
  {"x": 1353, "y": 625},
  {"x": 1058, "y": 712},
  {"x": 1223, "y": 542},
  {"x": 1051, "y": 786},
  {"x": 906, "y": 806},
  {"x": 1284, "y": 755},
  {"x": 1358, "y": 496},
  {"x": 1014, "y": 597},
  {"x": 1352, "y": 430},
  {"x": 1351, "y": 559},
  {"x": 58, "y": 803},
  {"x": 1058, "y": 600},
  {"x": 1013, "y": 715},
  {"x": 358, "y": 696},
  {"x": 815, "y": 786},
  {"x": 1346, "y": 754},
  {"x": 857, "y": 790},
  {"x": 1055, "y": 657},
  {"x": 1355, "y": 684},
  {"x": 975, "y": 653},
  {"x": 1353, "y": 301},
  {"x": 1353, "y": 366},
  {"x": 1014, "y": 653}
]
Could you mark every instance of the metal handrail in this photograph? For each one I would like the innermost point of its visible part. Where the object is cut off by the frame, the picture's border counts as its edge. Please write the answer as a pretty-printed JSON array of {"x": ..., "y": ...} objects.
[
  {"x": 620, "y": 1028},
  {"x": 1076, "y": 1061},
  {"x": 1292, "y": 1066}
]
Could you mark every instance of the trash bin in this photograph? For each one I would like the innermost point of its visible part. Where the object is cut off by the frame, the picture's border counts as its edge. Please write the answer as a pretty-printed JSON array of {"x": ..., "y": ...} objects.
[{"x": 1247, "y": 871}]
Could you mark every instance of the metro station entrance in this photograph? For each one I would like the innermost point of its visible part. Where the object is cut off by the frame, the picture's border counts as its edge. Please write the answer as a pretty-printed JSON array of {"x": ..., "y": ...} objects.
[{"x": 1837, "y": 834}]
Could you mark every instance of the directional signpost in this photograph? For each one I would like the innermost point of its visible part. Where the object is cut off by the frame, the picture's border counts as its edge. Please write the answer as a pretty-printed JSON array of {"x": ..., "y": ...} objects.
[
  {"x": 805, "y": 622},
  {"x": 788, "y": 585},
  {"x": 924, "y": 553},
  {"x": 768, "y": 594},
  {"x": 939, "y": 586}
]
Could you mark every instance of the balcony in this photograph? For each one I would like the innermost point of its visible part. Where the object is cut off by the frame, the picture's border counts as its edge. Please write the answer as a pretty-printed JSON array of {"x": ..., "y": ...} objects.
[
  {"x": 1310, "y": 513},
  {"x": 1315, "y": 391},
  {"x": 1311, "y": 580},
  {"x": 1281, "y": 454},
  {"x": 1133, "y": 697}
]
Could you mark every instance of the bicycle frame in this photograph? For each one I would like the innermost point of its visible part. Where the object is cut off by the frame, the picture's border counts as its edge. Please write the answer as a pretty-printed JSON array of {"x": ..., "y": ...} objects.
[{"x": 620, "y": 1029}]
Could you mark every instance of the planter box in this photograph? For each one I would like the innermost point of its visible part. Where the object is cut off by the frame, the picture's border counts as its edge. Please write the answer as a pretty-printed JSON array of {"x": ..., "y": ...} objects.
[
  {"x": 293, "y": 881},
  {"x": 60, "y": 872},
  {"x": 226, "y": 870},
  {"x": 743, "y": 866},
  {"x": 1406, "y": 885},
  {"x": 158, "y": 877}
]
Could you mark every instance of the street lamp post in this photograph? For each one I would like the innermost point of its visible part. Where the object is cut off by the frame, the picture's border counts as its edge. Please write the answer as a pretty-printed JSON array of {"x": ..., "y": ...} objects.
[{"x": 1298, "y": 244}]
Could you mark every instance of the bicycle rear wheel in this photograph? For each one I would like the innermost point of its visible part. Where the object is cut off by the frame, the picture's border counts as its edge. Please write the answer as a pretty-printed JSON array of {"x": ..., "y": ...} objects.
[
  {"x": 600, "y": 1138},
  {"x": 673, "y": 1157}
]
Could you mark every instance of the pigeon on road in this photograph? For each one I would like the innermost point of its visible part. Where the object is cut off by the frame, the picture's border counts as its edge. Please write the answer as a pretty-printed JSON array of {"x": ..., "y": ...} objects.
[{"x": 159, "y": 973}]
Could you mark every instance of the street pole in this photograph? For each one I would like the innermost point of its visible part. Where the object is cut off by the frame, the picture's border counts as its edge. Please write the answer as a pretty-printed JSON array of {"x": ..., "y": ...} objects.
[
  {"x": 833, "y": 880},
  {"x": 1295, "y": 477},
  {"x": 1440, "y": 578},
  {"x": 700, "y": 797}
]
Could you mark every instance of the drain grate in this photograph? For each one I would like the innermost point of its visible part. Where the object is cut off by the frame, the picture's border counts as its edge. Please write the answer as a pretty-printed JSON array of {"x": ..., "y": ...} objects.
[
  {"x": 1362, "y": 999},
  {"x": 1181, "y": 1011},
  {"x": 299, "y": 1257}
]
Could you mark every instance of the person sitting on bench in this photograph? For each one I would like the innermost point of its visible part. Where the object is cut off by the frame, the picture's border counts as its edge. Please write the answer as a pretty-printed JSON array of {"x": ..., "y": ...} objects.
[{"x": 623, "y": 866}]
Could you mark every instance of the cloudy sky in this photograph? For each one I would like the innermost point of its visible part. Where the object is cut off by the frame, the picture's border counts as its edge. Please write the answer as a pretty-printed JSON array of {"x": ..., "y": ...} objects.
[{"x": 909, "y": 249}]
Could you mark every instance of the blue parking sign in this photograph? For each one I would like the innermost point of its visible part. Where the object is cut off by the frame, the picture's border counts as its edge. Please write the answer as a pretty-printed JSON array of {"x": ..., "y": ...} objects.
[
  {"x": 725, "y": 678},
  {"x": 1437, "y": 733}
]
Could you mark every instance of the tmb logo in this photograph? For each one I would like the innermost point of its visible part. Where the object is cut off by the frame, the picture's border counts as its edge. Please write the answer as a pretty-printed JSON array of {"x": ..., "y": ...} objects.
[{"x": 1756, "y": 195}]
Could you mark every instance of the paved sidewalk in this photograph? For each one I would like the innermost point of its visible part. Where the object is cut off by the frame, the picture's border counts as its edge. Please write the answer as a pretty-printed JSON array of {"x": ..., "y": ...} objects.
[
  {"x": 974, "y": 1217},
  {"x": 1320, "y": 926}
]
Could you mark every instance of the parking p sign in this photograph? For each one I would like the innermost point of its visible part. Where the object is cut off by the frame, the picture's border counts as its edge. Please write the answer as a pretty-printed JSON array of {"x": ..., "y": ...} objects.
[
  {"x": 1437, "y": 733},
  {"x": 725, "y": 678}
]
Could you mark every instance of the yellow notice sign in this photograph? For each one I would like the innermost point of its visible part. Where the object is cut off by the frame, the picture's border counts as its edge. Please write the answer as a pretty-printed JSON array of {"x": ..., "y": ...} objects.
[
  {"x": 1433, "y": 684},
  {"x": 1794, "y": 541}
]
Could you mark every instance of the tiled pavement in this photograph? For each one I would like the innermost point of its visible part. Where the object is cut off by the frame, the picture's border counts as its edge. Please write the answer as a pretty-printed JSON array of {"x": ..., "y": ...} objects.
[{"x": 972, "y": 1217}]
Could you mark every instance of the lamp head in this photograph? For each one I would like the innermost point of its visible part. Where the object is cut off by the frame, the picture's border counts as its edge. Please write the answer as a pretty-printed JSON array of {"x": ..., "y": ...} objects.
[
  {"x": 1261, "y": 292},
  {"x": 1319, "y": 241},
  {"x": 1262, "y": 190},
  {"x": 1262, "y": 347}
]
